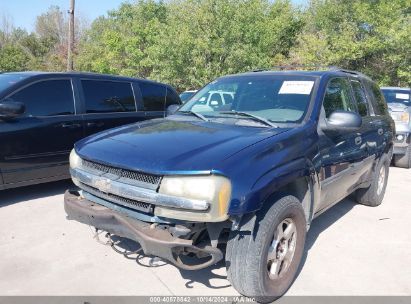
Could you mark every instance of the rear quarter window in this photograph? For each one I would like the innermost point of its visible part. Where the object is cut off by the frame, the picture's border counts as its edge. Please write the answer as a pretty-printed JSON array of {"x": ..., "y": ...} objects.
[
  {"x": 172, "y": 98},
  {"x": 154, "y": 96}
]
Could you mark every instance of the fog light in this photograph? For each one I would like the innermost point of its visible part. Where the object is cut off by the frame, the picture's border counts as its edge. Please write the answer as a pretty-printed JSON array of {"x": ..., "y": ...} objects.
[{"x": 400, "y": 137}]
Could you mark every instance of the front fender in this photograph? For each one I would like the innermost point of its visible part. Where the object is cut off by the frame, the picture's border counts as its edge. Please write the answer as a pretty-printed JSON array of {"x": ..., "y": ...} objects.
[{"x": 261, "y": 170}]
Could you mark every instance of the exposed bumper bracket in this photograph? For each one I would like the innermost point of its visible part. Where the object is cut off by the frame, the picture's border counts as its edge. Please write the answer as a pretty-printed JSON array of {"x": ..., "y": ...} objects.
[{"x": 154, "y": 241}]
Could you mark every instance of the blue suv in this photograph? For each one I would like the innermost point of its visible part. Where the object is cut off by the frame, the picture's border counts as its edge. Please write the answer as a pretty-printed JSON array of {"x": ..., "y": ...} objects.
[{"x": 241, "y": 179}]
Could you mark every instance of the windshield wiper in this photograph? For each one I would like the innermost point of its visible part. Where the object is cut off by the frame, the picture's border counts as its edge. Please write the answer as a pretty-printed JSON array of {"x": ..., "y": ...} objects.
[
  {"x": 252, "y": 116},
  {"x": 195, "y": 114}
]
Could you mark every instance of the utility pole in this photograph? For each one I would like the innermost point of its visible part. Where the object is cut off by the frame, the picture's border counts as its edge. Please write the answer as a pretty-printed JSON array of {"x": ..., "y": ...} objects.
[{"x": 70, "y": 46}]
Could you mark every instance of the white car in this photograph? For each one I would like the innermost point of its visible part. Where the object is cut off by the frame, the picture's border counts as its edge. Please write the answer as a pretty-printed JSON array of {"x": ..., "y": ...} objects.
[
  {"x": 186, "y": 95},
  {"x": 213, "y": 99}
]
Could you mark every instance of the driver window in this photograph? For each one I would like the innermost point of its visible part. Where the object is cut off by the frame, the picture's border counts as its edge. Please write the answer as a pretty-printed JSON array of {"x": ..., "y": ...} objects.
[
  {"x": 338, "y": 96},
  {"x": 47, "y": 98}
]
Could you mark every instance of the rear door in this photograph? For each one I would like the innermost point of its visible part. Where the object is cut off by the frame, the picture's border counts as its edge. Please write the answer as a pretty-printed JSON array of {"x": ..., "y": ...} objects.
[
  {"x": 37, "y": 144},
  {"x": 368, "y": 131},
  {"x": 381, "y": 121},
  {"x": 108, "y": 104}
]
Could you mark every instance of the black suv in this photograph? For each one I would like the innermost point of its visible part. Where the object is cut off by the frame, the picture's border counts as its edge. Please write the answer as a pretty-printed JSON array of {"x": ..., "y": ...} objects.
[
  {"x": 251, "y": 173},
  {"x": 42, "y": 115}
]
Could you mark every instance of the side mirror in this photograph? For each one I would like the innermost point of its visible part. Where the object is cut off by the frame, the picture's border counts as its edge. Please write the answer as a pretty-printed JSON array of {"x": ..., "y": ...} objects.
[
  {"x": 343, "y": 121},
  {"x": 11, "y": 109},
  {"x": 171, "y": 109}
]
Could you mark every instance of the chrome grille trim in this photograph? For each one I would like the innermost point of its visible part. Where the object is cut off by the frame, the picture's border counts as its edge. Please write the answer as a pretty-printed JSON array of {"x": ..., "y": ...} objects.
[
  {"x": 116, "y": 187},
  {"x": 136, "y": 205},
  {"x": 144, "y": 180}
]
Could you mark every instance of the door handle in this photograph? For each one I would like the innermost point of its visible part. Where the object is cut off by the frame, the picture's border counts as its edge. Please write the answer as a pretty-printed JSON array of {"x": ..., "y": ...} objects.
[
  {"x": 95, "y": 124},
  {"x": 358, "y": 140},
  {"x": 380, "y": 131},
  {"x": 69, "y": 125}
]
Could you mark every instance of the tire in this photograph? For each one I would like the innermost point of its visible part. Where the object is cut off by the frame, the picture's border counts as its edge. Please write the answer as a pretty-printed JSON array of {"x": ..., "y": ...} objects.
[
  {"x": 374, "y": 194},
  {"x": 403, "y": 160},
  {"x": 248, "y": 249}
]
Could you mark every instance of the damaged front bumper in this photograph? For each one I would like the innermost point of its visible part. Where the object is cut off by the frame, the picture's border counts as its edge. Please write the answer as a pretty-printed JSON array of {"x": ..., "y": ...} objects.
[{"x": 153, "y": 240}]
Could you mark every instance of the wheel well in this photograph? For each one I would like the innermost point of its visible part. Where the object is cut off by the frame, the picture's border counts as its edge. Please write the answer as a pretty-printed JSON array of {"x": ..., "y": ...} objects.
[{"x": 301, "y": 189}]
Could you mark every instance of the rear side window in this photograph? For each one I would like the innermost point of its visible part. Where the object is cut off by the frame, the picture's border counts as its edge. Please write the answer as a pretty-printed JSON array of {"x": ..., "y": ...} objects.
[
  {"x": 360, "y": 97},
  {"x": 47, "y": 98},
  {"x": 153, "y": 96},
  {"x": 338, "y": 96},
  {"x": 377, "y": 99},
  {"x": 172, "y": 98},
  {"x": 108, "y": 96}
]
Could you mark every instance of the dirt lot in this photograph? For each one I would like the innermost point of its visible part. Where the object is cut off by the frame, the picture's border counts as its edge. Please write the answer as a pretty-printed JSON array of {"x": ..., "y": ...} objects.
[{"x": 351, "y": 250}]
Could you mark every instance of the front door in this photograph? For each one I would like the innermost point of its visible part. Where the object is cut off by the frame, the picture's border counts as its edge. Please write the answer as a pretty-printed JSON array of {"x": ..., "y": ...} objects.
[
  {"x": 37, "y": 144},
  {"x": 341, "y": 153}
]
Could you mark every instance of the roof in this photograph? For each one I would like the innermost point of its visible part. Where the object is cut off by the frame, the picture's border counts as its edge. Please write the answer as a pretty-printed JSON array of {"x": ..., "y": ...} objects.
[
  {"x": 318, "y": 73},
  {"x": 395, "y": 88},
  {"x": 78, "y": 74}
]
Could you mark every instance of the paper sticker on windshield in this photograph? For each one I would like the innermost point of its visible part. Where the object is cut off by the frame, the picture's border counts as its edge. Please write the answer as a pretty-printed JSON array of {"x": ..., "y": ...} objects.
[
  {"x": 402, "y": 96},
  {"x": 296, "y": 87}
]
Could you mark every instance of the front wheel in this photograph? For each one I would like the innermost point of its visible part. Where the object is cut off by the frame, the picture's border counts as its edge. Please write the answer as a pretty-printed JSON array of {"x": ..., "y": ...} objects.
[{"x": 263, "y": 256}]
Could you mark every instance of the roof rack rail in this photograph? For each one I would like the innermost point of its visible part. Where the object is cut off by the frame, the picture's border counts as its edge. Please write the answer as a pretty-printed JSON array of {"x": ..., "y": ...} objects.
[
  {"x": 300, "y": 66},
  {"x": 346, "y": 71},
  {"x": 292, "y": 67}
]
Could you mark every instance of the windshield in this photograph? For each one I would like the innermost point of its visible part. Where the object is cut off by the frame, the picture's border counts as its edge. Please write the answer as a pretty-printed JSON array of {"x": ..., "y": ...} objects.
[
  {"x": 397, "y": 96},
  {"x": 7, "y": 80},
  {"x": 273, "y": 98}
]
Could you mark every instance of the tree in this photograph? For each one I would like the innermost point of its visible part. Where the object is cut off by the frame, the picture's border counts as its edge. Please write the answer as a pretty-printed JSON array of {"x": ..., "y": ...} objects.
[
  {"x": 189, "y": 42},
  {"x": 122, "y": 43},
  {"x": 370, "y": 36},
  {"x": 210, "y": 38},
  {"x": 13, "y": 58}
]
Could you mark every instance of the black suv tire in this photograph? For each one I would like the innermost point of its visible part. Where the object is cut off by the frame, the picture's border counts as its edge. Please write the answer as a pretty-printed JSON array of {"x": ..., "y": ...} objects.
[
  {"x": 403, "y": 161},
  {"x": 249, "y": 250},
  {"x": 374, "y": 194}
]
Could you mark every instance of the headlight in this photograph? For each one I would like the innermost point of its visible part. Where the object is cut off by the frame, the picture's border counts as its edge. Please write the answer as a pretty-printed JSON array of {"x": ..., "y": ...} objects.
[
  {"x": 405, "y": 117},
  {"x": 401, "y": 116},
  {"x": 75, "y": 160},
  {"x": 216, "y": 190}
]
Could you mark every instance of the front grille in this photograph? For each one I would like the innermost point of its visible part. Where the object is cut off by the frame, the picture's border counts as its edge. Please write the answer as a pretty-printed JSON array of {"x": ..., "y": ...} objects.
[
  {"x": 128, "y": 174},
  {"x": 136, "y": 205}
]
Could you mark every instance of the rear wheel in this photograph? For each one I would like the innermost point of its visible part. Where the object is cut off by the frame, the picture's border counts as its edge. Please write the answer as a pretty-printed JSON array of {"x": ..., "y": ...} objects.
[
  {"x": 403, "y": 160},
  {"x": 263, "y": 256},
  {"x": 374, "y": 194}
]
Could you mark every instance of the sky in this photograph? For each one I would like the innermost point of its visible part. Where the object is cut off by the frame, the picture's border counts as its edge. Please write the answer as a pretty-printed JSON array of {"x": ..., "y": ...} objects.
[{"x": 23, "y": 12}]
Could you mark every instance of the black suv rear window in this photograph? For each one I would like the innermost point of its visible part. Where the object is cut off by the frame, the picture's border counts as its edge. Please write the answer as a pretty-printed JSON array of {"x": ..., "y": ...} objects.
[
  {"x": 153, "y": 96},
  {"x": 103, "y": 96}
]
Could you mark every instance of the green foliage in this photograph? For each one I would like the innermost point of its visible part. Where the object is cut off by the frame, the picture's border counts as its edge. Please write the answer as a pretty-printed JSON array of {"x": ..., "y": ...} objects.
[
  {"x": 123, "y": 42},
  {"x": 207, "y": 39},
  {"x": 370, "y": 36},
  {"x": 13, "y": 58},
  {"x": 188, "y": 43}
]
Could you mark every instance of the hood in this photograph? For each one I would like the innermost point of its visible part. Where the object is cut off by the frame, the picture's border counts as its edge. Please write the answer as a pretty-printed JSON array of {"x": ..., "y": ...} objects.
[
  {"x": 167, "y": 146},
  {"x": 397, "y": 107}
]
